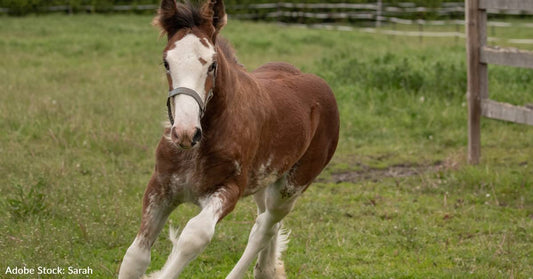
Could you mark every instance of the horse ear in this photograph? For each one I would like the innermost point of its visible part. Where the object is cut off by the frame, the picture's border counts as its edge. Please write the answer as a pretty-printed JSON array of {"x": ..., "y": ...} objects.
[
  {"x": 166, "y": 17},
  {"x": 215, "y": 13}
]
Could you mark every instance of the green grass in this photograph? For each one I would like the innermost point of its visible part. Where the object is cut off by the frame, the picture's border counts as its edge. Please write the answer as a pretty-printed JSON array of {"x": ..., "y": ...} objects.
[{"x": 81, "y": 105}]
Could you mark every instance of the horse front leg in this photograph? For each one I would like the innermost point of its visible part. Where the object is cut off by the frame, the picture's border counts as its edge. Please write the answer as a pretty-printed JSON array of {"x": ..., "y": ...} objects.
[
  {"x": 157, "y": 206},
  {"x": 199, "y": 231}
]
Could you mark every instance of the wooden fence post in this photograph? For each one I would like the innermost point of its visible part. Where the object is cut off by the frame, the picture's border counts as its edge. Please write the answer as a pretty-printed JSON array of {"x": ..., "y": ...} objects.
[{"x": 477, "y": 76}]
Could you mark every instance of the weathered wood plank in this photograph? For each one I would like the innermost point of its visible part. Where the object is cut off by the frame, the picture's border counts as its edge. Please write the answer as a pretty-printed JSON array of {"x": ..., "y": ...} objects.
[
  {"x": 507, "y": 56},
  {"x": 524, "y": 5},
  {"x": 507, "y": 112}
]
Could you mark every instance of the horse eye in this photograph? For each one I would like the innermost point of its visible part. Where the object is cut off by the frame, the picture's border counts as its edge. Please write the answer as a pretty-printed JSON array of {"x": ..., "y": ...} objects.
[
  {"x": 167, "y": 67},
  {"x": 212, "y": 67}
]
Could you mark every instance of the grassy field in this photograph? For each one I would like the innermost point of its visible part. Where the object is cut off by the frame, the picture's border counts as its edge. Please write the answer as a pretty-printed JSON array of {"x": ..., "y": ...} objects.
[{"x": 82, "y": 99}]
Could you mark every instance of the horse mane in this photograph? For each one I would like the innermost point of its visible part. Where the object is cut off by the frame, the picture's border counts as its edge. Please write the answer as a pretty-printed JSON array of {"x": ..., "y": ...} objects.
[{"x": 228, "y": 51}]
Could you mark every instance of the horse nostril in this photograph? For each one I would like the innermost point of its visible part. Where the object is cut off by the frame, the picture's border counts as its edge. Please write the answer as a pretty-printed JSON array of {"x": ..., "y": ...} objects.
[
  {"x": 197, "y": 136},
  {"x": 174, "y": 133}
]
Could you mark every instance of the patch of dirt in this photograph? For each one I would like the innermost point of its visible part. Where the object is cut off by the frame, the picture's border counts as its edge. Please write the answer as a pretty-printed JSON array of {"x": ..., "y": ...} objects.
[{"x": 376, "y": 174}]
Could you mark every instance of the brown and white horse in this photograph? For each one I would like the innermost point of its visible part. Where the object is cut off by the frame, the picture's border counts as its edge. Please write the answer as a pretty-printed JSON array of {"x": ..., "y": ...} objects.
[{"x": 267, "y": 133}]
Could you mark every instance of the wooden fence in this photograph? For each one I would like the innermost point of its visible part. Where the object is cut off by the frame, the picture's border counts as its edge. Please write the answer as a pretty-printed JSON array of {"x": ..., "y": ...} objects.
[
  {"x": 479, "y": 55},
  {"x": 378, "y": 12},
  {"x": 400, "y": 13}
]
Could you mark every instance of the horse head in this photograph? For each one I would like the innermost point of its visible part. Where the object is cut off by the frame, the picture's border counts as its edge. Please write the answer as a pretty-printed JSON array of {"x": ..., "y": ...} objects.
[{"x": 190, "y": 61}]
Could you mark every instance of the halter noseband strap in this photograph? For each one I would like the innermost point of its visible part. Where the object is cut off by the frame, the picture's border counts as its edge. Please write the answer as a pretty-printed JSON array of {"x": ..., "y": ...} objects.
[{"x": 188, "y": 92}]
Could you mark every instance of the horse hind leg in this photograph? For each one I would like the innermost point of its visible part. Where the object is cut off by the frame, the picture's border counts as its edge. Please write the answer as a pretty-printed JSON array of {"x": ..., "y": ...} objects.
[
  {"x": 266, "y": 239},
  {"x": 269, "y": 263},
  {"x": 279, "y": 199}
]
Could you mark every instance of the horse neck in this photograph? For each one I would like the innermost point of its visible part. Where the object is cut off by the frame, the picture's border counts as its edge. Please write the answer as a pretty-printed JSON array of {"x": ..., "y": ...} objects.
[{"x": 232, "y": 91}]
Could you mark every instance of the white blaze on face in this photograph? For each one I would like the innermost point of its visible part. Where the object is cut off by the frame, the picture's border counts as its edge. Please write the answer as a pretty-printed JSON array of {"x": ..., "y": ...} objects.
[{"x": 187, "y": 70}]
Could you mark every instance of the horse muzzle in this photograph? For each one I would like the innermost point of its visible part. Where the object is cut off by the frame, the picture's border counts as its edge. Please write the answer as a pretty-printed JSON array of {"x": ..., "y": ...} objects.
[{"x": 186, "y": 138}]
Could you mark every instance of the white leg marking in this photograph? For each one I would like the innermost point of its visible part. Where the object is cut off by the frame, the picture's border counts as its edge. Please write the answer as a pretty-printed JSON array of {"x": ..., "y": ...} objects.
[
  {"x": 265, "y": 227},
  {"x": 259, "y": 198},
  {"x": 282, "y": 243},
  {"x": 269, "y": 263},
  {"x": 135, "y": 261},
  {"x": 193, "y": 239}
]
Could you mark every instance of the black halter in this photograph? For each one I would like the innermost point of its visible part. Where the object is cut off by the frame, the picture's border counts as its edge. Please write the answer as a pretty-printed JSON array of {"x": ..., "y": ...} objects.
[{"x": 191, "y": 93}]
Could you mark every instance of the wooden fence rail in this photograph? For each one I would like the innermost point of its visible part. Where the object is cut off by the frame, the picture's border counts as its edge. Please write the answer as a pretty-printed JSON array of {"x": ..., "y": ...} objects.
[{"x": 479, "y": 55}]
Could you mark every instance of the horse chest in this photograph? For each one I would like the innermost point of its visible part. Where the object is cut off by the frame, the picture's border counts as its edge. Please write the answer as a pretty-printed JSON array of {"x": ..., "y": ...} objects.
[
  {"x": 183, "y": 183},
  {"x": 191, "y": 180}
]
